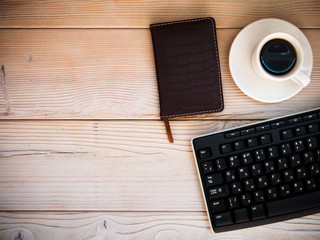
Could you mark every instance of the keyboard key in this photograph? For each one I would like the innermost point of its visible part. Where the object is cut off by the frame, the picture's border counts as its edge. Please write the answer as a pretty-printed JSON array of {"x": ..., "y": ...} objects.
[
  {"x": 233, "y": 202},
  {"x": 298, "y": 146},
  {"x": 288, "y": 175},
  {"x": 230, "y": 175},
  {"x": 312, "y": 143},
  {"x": 232, "y": 134},
  {"x": 247, "y": 158},
  {"x": 218, "y": 192},
  {"x": 298, "y": 187},
  {"x": 272, "y": 152},
  {"x": 262, "y": 182},
  {"x": 256, "y": 169},
  {"x": 275, "y": 178},
  {"x": 213, "y": 180},
  {"x": 282, "y": 163},
  {"x": 259, "y": 197},
  {"x": 226, "y": 148},
  {"x": 300, "y": 131},
  {"x": 295, "y": 160},
  {"x": 260, "y": 155},
  {"x": 241, "y": 215},
  {"x": 286, "y": 134},
  {"x": 308, "y": 157},
  {"x": 263, "y": 127},
  {"x": 257, "y": 212},
  {"x": 243, "y": 172},
  {"x": 245, "y": 199},
  {"x": 318, "y": 155},
  {"x": 269, "y": 167},
  {"x": 285, "y": 149},
  {"x": 314, "y": 170},
  {"x": 252, "y": 142},
  {"x": 295, "y": 120},
  {"x": 285, "y": 190},
  {"x": 238, "y": 145},
  {"x": 278, "y": 124},
  {"x": 234, "y": 161},
  {"x": 301, "y": 172},
  {"x": 222, "y": 219},
  {"x": 247, "y": 131},
  {"x": 294, "y": 204},
  {"x": 310, "y": 117},
  {"x": 218, "y": 206},
  {"x": 312, "y": 128},
  {"x": 249, "y": 185},
  {"x": 207, "y": 167},
  {"x": 236, "y": 187},
  {"x": 272, "y": 193},
  {"x": 204, "y": 153},
  {"x": 265, "y": 139},
  {"x": 221, "y": 164},
  {"x": 311, "y": 184}
]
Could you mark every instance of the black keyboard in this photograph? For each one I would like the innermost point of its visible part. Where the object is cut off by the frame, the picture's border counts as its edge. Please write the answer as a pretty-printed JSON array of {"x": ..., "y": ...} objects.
[{"x": 261, "y": 173}]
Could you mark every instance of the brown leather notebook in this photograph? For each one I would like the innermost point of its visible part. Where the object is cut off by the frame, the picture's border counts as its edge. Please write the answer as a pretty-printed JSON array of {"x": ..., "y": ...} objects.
[{"x": 187, "y": 68}]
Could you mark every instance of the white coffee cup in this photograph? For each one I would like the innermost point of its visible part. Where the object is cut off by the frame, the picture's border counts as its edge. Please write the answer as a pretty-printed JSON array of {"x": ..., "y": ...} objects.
[{"x": 295, "y": 74}]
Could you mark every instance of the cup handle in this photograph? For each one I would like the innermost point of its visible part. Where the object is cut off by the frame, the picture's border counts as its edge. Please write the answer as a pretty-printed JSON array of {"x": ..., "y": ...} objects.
[{"x": 301, "y": 79}]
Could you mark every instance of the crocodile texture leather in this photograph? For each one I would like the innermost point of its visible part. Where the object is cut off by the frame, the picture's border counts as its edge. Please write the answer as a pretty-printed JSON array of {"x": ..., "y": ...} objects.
[{"x": 187, "y": 67}]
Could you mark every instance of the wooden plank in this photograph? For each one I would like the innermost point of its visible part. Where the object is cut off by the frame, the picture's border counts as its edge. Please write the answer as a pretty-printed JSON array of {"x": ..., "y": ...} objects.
[
  {"x": 142, "y": 226},
  {"x": 99, "y": 74},
  {"x": 139, "y": 14},
  {"x": 100, "y": 165}
]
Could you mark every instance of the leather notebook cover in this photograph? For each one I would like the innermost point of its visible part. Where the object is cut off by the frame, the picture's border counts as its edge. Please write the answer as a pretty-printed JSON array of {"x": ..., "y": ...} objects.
[{"x": 187, "y": 68}]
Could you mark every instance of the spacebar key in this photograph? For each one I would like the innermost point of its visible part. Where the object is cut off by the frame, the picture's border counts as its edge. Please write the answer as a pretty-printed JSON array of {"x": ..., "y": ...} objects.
[{"x": 294, "y": 204}]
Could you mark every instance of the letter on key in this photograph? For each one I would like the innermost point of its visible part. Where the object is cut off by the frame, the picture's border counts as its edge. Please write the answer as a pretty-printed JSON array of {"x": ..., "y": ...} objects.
[{"x": 222, "y": 219}]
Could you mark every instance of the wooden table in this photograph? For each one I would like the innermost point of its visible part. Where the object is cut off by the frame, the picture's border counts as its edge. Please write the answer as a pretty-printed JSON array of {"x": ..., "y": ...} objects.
[{"x": 83, "y": 154}]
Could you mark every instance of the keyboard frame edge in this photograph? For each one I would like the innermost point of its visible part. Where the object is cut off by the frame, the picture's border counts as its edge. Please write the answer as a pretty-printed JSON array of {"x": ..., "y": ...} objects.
[{"x": 261, "y": 221}]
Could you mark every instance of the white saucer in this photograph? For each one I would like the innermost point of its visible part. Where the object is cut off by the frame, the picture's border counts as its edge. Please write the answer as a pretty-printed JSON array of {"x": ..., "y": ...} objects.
[{"x": 241, "y": 69}]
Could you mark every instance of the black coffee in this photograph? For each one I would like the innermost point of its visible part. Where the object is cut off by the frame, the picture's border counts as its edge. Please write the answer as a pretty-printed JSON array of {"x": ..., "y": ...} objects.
[{"x": 278, "y": 56}]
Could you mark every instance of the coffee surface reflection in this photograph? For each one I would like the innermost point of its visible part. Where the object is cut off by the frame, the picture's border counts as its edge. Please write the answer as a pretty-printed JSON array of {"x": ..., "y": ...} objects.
[{"x": 278, "y": 56}]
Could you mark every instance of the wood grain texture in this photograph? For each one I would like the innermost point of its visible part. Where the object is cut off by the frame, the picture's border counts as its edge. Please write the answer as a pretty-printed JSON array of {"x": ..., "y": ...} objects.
[
  {"x": 100, "y": 165},
  {"x": 100, "y": 74},
  {"x": 82, "y": 74},
  {"x": 139, "y": 14},
  {"x": 143, "y": 226}
]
